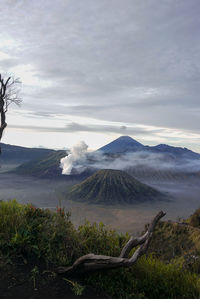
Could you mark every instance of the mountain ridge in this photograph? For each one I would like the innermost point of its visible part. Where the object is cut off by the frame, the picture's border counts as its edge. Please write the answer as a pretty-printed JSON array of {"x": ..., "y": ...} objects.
[
  {"x": 125, "y": 144},
  {"x": 172, "y": 157},
  {"x": 21, "y": 154}
]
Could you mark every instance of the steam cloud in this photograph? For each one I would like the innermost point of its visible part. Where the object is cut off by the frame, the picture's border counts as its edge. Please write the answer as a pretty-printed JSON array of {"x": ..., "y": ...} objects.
[
  {"x": 75, "y": 159},
  {"x": 80, "y": 159}
]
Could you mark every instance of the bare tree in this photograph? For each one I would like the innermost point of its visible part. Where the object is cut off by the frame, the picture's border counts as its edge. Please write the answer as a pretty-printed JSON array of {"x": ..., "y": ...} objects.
[
  {"x": 9, "y": 93},
  {"x": 92, "y": 262}
]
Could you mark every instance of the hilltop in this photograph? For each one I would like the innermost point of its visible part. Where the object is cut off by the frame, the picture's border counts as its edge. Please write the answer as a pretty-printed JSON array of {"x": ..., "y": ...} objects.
[
  {"x": 111, "y": 187},
  {"x": 121, "y": 145},
  {"x": 47, "y": 166},
  {"x": 19, "y": 154}
]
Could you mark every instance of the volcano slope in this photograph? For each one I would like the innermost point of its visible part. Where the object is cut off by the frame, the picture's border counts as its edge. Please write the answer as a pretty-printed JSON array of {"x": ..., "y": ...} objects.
[
  {"x": 112, "y": 187},
  {"x": 47, "y": 167}
]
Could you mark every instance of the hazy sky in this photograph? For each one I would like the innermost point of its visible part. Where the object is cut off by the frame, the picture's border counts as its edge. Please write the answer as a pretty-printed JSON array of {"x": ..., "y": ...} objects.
[{"x": 96, "y": 69}]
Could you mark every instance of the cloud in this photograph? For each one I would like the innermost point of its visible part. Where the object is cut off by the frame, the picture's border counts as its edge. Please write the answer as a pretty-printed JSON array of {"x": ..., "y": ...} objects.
[
  {"x": 136, "y": 61},
  {"x": 143, "y": 133},
  {"x": 76, "y": 127}
]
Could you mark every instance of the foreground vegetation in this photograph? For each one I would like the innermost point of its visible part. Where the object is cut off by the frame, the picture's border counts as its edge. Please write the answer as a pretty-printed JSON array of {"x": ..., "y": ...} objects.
[{"x": 44, "y": 240}]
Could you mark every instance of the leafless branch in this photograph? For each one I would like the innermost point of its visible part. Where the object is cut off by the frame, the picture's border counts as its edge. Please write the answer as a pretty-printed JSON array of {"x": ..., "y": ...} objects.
[{"x": 92, "y": 262}]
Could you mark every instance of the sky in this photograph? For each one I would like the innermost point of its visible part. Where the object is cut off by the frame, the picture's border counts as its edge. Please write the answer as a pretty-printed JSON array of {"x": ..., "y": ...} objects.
[{"x": 94, "y": 70}]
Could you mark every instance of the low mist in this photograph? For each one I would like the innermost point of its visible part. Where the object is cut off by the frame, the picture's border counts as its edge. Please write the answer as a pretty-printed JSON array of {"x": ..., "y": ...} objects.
[{"x": 81, "y": 159}]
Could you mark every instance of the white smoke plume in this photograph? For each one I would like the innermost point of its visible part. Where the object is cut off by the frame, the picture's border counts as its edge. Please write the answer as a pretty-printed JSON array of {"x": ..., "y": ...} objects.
[{"x": 76, "y": 158}]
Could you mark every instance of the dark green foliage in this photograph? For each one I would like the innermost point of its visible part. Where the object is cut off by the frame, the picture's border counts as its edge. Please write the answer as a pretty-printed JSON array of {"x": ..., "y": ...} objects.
[
  {"x": 112, "y": 186},
  {"x": 45, "y": 236},
  {"x": 194, "y": 219},
  {"x": 148, "y": 278},
  {"x": 98, "y": 239},
  {"x": 172, "y": 240},
  {"x": 178, "y": 243},
  {"x": 37, "y": 233}
]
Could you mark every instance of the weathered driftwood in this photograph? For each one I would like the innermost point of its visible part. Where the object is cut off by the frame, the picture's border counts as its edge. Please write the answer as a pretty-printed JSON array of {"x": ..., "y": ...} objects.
[{"x": 91, "y": 262}]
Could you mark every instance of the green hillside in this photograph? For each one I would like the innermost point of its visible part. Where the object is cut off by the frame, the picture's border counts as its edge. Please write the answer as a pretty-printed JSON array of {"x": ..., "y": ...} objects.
[
  {"x": 46, "y": 167},
  {"x": 178, "y": 242},
  {"x": 19, "y": 154},
  {"x": 112, "y": 186}
]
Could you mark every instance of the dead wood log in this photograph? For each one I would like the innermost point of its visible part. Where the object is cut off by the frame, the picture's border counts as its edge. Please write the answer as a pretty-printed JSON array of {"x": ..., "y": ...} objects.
[{"x": 92, "y": 262}]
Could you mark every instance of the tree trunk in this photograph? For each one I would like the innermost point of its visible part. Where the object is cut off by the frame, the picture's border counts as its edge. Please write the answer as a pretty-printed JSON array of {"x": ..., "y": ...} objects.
[
  {"x": 3, "y": 105},
  {"x": 3, "y": 123}
]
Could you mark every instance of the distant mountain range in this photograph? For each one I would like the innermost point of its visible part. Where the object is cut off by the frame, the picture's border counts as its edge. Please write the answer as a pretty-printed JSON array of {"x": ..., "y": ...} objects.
[
  {"x": 19, "y": 154},
  {"x": 111, "y": 187},
  {"x": 125, "y": 144},
  {"x": 125, "y": 153}
]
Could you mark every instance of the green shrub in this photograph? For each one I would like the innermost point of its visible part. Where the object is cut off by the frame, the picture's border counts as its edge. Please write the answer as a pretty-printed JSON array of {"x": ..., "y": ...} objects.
[
  {"x": 40, "y": 234},
  {"x": 194, "y": 219},
  {"x": 148, "y": 278},
  {"x": 98, "y": 239},
  {"x": 36, "y": 233}
]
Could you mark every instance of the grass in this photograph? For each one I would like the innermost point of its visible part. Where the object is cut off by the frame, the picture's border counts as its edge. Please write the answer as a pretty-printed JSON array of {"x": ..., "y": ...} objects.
[
  {"x": 43, "y": 237},
  {"x": 178, "y": 243},
  {"x": 149, "y": 278},
  {"x": 194, "y": 219}
]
